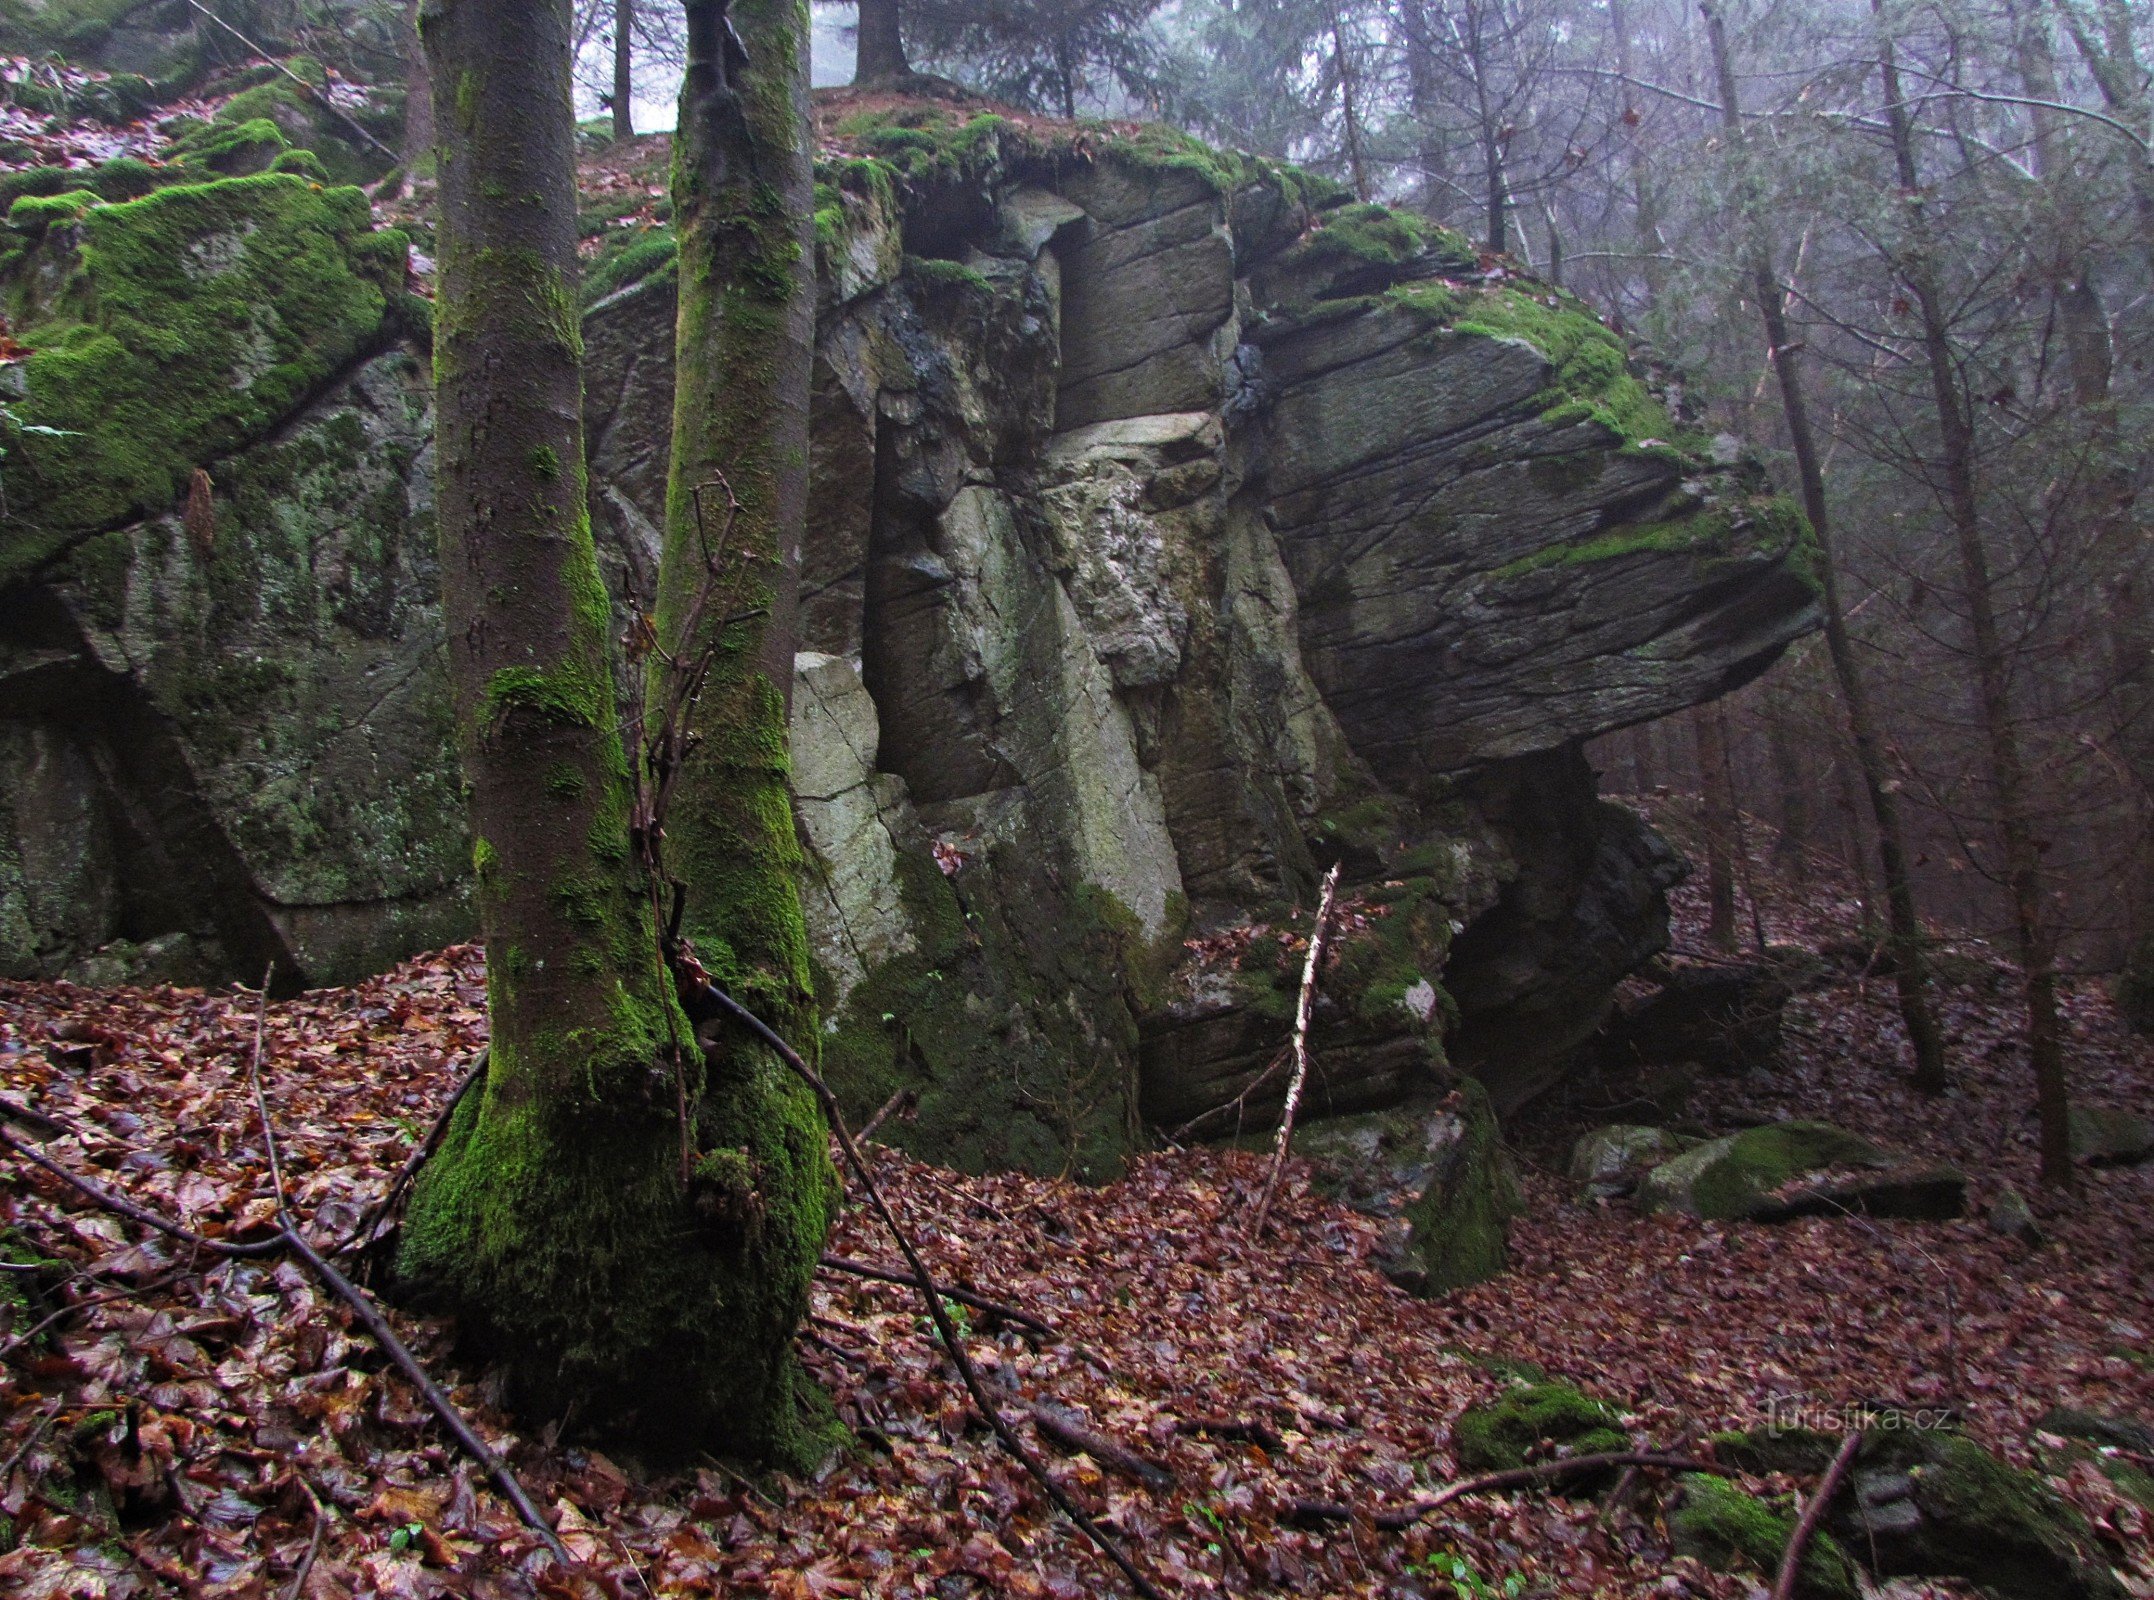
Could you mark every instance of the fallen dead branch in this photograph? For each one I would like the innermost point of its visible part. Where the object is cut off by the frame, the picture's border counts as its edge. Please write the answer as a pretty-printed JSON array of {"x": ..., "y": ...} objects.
[
  {"x": 1255, "y": 1433},
  {"x": 1813, "y": 1514},
  {"x": 964, "y": 1297},
  {"x": 903, "y": 1100},
  {"x": 363, "y": 1232},
  {"x": 377, "y": 1325},
  {"x": 1304, "y": 1009},
  {"x": 369, "y": 1317},
  {"x": 1315, "y": 1513},
  {"x": 1067, "y": 1429}
]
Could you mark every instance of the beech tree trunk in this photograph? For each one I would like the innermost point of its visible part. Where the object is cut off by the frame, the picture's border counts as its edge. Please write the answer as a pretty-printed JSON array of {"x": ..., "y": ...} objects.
[
  {"x": 556, "y": 1221},
  {"x": 624, "y": 69},
  {"x": 879, "y": 42},
  {"x": 2016, "y": 825},
  {"x": 743, "y": 213},
  {"x": 1910, "y": 968}
]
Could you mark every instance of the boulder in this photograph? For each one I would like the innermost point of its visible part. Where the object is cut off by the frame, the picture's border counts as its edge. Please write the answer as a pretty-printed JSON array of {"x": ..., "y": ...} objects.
[
  {"x": 1926, "y": 1502},
  {"x": 2010, "y": 1215},
  {"x": 1796, "y": 1169},
  {"x": 2119, "y": 1447},
  {"x": 1459, "y": 1207},
  {"x": 1726, "y": 1018},
  {"x": 2105, "y": 1137},
  {"x": 1534, "y": 1422},
  {"x": 1609, "y": 1161},
  {"x": 1176, "y": 531},
  {"x": 1713, "y": 1522}
]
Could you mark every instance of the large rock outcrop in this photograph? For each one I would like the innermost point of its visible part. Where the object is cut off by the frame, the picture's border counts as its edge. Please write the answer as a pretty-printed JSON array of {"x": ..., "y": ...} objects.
[{"x": 1177, "y": 529}]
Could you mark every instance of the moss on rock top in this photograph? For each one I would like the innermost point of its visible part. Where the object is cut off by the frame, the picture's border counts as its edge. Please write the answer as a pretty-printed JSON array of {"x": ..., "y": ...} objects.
[{"x": 184, "y": 324}]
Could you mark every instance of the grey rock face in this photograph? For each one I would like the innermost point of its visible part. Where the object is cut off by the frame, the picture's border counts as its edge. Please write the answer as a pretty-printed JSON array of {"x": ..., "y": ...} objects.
[
  {"x": 243, "y": 734},
  {"x": 1609, "y": 1161},
  {"x": 1141, "y": 581}
]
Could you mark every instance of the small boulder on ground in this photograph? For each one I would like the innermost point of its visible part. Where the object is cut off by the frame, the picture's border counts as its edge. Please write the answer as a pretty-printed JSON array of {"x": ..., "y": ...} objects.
[
  {"x": 1455, "y": 1199},
  {"x": 1532, "y": 1423},
  {"x": 1786, "y": 1170},
  {"x": 1926, "y": 1502},
  {"x": 1609, "y": 1161},
  {"x": 2010, "y": 1215},
  {"x": 2105, "y": 1137}
]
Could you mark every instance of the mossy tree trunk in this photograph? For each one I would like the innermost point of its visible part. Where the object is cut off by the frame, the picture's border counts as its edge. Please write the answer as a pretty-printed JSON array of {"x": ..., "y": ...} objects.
[
  {"x": 566, "y": 1220},
  {"x": 743, "y": 213}
]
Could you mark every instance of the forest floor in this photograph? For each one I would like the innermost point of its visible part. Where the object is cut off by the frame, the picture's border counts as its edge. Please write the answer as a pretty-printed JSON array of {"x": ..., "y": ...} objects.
[{"x": 197, "y": 1427}]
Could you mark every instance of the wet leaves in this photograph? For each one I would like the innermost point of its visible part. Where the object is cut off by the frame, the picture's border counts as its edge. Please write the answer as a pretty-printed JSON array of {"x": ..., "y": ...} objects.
[{"x": 173, "y": 1419}]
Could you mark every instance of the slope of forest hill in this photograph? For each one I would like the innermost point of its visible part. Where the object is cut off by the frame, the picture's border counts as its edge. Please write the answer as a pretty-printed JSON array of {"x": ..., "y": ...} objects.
[{"x": 173, "y": 1425}]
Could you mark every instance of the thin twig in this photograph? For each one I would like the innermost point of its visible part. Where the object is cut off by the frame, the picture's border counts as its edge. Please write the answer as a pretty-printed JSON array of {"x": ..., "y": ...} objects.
[
  {"x": 29, "y": 1444},
  {"x": 332, "y": 107},
  {"x": 382, "y": 1209},
  {"x": 105, "y": 1198},
  {"x": 261, "y": 1102},
  {"x": 377, "y": 1326},
  {"x": 964, "y": 1297},
  {"x": 896, "y": 1102},
  {"x": 1304, "y": 1009},
  {"x": 1813, "y": 1514},
  {"x": 314, "y": 1545},
  {"x": 924, "y": 1284},
  {"x": 1320, "y": 1511}
]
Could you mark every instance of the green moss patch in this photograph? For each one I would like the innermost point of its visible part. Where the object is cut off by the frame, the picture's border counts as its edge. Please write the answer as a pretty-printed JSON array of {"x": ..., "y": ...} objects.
[
  {"x": 1461, "y": 1223},
  {"x": 1768, "y": 525},
  {"x": 1532, "y": 1423},
  {"x": 189, "y": 323},
  {"x": 1730, "y": 1531}
]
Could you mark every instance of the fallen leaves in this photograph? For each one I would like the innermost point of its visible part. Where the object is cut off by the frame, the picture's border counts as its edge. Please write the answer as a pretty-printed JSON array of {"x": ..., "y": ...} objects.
[{"x": 175, "y": 1419}]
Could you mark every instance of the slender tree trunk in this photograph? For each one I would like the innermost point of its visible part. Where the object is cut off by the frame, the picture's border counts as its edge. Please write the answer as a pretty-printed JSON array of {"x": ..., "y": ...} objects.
[
  {"x": 1717, "y": 808},
  {"x": 879, "y": 42},
  {"x": 1349, "y": 115},
  {"x": 1499, "y": 194},
  {"x": 624, "y": 69},
  {"x": 742, "y": 211},
  {"x": 1422, "y": 100},
  {"x": 554, "y": 1220},
  {"x": 1910, "y": 969},
  {"x": 2008, "y": 774},
  {"x": 1791, "y": 853},
  {"x": 418, "y": 141},
  {"x": 1644, "y": 196}
]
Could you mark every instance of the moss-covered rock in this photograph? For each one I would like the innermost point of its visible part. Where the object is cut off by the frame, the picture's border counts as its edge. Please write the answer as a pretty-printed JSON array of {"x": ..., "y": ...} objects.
[
  {"x": 1730, "y": 1531},
  {"x": 1801, "y": 1452},
  {"x": 185, "y": 325},
  {"x": 1930, "y": 1502},
  {"x": 1531, "y": 1423},
  {"x": 1609, "y": 1161},
  {"x": 1754, "y": 1175},
  {"x": 2105, "y": 1136},
  {"x": 1459, "y": 1225}
]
